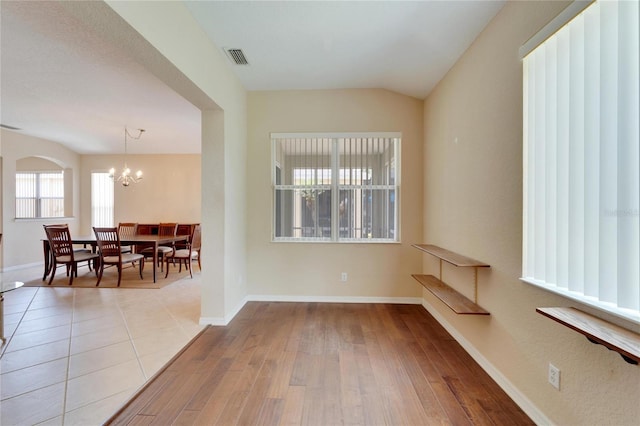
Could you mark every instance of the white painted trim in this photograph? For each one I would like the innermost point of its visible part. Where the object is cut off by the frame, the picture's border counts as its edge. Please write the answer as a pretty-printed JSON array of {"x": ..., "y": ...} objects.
[
  {"x": 212, "y": 321},
  {"x": 24, "y": 266},
  {"x": 570, "y": 12},
  {"x": 228, "y": 317},
  {"x": 514, "y": 393}
]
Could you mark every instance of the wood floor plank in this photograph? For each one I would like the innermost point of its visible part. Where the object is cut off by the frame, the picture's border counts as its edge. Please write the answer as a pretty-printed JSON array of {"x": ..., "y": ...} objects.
[
  {"x": 217, "y": 399},
  {"x": 280, "y": 382},
  {"x": 427, "y": 398},
  {"x": 270, "y": 412},
  {"x": 324, "y": 364},
  {"x": 186, "y": 418},
  {"x": 352, "y": 405},
  {"x": 141, "y": 420},
  {"x": 293, "y": 405}
]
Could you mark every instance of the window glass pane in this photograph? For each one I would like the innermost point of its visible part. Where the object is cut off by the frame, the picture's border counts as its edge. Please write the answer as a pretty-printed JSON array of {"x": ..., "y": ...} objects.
[
  {"x": 305, "y": 213},
  {"x": 25, "y": 185},
  {"x": 25, "y": 207},
  {"x": 51, "y": 207},
  {"x": 367, "y": 214},
  {"x": 51, "y": 185},
  {"x": 102, "y": 206}
]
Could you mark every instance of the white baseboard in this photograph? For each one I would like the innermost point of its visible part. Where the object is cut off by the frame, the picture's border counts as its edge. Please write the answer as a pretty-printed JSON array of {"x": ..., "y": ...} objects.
[
  {"x": 24, "y": 266},
  {"x": 212, "y": 321},
  {"x": 333, "y": 299},
  {"x": 514, "y": 393},
  {"x": 324, "y": 299}
]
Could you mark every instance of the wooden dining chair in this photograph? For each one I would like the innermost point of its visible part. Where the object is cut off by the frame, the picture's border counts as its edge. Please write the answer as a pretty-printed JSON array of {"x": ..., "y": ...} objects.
[
  {"x": 111, "y": 252},
  {"x": 164, "y": 230},
  {"x": 127, "y": 229},
  {"x": 62, "y": 252},
  {"x": 187, "y": 255}
]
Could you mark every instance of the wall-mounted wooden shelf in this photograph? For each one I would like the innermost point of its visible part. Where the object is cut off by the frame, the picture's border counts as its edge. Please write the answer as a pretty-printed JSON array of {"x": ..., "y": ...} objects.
[
  {"x": 451, "y": 257},
  {"x": 452, "y": 298},
  {"x": 456, "y": 301},
  {"x": 597, "y": 330}
]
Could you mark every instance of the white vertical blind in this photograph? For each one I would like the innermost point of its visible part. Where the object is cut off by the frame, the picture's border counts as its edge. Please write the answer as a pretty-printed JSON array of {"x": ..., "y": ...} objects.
[
  {"x": 102, "y": 205},
  {"x": 581, "y": 159},
  {"x": 39, "y": 194}
]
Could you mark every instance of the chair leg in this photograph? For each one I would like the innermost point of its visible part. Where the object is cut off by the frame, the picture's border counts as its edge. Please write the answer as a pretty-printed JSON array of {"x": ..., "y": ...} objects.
[
  {"x": 100, "y": 273},
  {"x": 74, "y": 271},
  {"x": 189, "y": 266},
  {"x": 166, "y": 274},
  {"x": 119, "y": 273},
  {"x": 141, "y": 266},
  {"x": 53, "y": 271}
]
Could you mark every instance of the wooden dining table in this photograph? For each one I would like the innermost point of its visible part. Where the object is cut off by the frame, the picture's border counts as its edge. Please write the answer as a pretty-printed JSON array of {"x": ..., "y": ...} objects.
[{"x": 137, "y": 240}]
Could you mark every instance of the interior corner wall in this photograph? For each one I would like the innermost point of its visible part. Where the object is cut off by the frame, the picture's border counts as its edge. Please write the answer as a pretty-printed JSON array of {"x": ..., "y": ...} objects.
[
  {"x": 473, "y": 205},
  {"x": 205, "y": 78},
  {"x": 300, "y": 270}
]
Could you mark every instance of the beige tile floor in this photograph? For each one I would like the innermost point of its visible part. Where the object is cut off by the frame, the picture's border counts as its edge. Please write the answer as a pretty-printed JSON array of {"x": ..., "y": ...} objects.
[{"x": 73, "y": 356}]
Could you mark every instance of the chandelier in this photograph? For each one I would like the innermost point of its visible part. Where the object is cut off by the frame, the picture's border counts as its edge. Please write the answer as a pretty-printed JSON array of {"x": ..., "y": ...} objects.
[{"x": 125, "y": 177}]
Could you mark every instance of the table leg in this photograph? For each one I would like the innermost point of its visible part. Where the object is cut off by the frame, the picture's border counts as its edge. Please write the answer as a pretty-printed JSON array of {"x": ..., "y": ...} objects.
[{"x": 155, "y": 260}]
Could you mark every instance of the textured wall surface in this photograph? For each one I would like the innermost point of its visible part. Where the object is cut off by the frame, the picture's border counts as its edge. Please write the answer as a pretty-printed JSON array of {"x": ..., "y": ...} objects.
[{"x": 473, "y": 205}]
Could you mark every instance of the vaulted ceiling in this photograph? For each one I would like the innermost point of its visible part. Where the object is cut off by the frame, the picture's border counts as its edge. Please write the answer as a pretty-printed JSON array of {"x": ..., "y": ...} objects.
[{"x": 62, "y": 81}]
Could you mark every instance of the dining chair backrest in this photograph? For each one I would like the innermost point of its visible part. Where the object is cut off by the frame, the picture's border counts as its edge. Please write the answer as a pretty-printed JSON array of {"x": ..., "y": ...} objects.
[
  {"x": 59, "y": 240},
  {"x": 167, "y": 229},
  {"x": 127, "y": 229},
  {"x": 196, "y": 238},
  {"x": 108, "y": 241}
]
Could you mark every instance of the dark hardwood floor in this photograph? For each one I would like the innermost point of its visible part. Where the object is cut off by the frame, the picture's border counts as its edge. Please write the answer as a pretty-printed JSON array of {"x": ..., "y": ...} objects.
[{"x": 323, "y": 364}]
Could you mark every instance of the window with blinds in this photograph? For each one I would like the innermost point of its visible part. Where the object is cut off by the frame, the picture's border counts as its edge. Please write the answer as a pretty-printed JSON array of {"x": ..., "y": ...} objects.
[
  {"x": 39, "y": 194},
  {"x": 581, "y": 160},
  {"x": 102, "y": 205},
  {"x": 341, "y": 188}
]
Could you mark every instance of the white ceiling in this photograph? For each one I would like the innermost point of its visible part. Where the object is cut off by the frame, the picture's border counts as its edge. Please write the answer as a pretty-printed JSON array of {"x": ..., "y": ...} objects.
[
  {"x": 62, "y": 81},
  {"x": 403, "y": 46}
]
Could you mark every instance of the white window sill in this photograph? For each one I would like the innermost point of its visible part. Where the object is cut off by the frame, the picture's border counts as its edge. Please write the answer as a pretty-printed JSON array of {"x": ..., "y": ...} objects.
[{"x": 624, "y": 314}]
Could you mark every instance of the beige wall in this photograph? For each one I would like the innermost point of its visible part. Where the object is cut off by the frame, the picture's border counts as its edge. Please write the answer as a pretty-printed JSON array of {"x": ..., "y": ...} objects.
[
  {"x": 201, "y": 73},
  {"x": 308, "y": 269},
  {"x": 169, "y": 191},
  {"x": 473, "y": 205},
  {"x": 27, "y": 233}
]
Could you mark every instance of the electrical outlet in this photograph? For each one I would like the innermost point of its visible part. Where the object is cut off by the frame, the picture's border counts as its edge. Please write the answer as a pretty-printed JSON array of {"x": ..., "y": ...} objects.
[
  {"x": 343, "y": 277},
  {"x": 554, "y": 376}
]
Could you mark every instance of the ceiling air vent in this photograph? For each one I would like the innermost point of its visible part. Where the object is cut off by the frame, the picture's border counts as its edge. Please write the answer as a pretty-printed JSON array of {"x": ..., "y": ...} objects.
[{"x": 237, "y": 56}]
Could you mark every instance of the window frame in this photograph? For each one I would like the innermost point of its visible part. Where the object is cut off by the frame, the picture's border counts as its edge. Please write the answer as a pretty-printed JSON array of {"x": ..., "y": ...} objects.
[
  {"x": 336, "y": 187},
  {"x": 38, "y": 198}
]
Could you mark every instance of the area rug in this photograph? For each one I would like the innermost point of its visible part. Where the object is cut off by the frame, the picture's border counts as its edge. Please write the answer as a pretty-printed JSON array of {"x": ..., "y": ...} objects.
[{"x": 130, "y": 278}]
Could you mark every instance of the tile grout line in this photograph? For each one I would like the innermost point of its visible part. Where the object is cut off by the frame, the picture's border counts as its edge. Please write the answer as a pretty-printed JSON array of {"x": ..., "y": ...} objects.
[
  {"x": 8, "y": 341},
  {"x": 135, "y": 350},
  {"x": 66, "y": 378}
]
